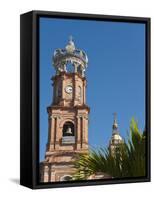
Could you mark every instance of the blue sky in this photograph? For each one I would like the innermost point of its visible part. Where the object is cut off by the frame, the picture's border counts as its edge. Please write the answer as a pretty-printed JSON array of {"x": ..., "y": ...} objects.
[{"x": 115, "y": 73}]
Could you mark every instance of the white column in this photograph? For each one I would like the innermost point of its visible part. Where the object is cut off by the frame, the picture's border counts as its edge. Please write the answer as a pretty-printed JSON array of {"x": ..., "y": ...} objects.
[{"x": 52, "y": 132}]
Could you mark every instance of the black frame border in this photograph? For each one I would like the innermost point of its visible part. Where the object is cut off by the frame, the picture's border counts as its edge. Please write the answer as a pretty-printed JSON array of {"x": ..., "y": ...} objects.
[{"x": 29, "y": 120}]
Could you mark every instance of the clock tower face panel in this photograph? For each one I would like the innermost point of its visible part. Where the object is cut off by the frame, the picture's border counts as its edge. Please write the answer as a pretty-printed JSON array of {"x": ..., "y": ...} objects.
[{"x": 69, "y": 90}]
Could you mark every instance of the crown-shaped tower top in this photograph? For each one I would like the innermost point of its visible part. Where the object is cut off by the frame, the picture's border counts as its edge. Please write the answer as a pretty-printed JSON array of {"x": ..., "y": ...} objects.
[{"x": 70, "y": 55}]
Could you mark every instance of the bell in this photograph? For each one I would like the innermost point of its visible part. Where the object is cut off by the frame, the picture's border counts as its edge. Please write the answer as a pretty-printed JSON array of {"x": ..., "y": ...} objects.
[{"x": 69, "y": 131}]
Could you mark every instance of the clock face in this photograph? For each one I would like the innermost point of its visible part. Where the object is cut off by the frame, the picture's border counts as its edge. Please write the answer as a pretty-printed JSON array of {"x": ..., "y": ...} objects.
[{"x": 69, "y": 89}]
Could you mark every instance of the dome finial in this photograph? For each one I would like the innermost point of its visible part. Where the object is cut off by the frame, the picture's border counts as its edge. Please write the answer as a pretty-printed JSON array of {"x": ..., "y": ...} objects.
[
  {"x": 115, "y": 117},
  {"x": 115, "y": 124},
  {"x": 70, "y": 47},
  {"x": 70, "y": 38}
]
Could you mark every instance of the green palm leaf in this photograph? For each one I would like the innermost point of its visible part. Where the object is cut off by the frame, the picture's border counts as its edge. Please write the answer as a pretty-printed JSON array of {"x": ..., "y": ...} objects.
[{"x": 128, "y": 162}]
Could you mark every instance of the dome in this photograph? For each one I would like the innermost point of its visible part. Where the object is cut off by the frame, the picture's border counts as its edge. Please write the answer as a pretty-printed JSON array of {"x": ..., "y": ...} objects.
[{"x": 116, "y": 137}]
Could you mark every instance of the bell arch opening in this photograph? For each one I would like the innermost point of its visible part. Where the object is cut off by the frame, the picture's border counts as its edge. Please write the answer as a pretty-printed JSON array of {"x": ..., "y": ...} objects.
[
  {"x": 66, "y": 178},
  {"x": 68, "y": 129},
  {"x": 69, "y": 67}
]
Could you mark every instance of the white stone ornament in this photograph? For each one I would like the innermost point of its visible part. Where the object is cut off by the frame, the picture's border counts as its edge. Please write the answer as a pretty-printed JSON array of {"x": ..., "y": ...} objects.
[{"x": 70, "y": 46}]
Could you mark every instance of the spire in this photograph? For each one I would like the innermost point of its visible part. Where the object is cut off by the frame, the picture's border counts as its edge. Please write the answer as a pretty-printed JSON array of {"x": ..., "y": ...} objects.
[
  {"x": 70, "y": 38},
  {"x": 115, "y": 124},
  {"x": 116, "y": 139}
]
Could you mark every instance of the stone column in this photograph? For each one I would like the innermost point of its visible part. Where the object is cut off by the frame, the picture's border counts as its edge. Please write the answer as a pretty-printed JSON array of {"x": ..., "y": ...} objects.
[
  {"x": 75, "y": 67},
  {"x": 81, "y": 131},
  {"x": 85, "y": 132},
  {"x": 65, "y": 68},
  {"x": 52, "y": 174},
  {"x": 57, "y": 132},
  {"x": 75, "y": 90},
  {"x": 49, "y": 134},
  {"x": 46, "y": 174},
  {"x": 78, "y": 133},
  {"x": 52, "y": 133},
  {"x": 84, "y": 92},
  {"x": 54, "y": 92},
  {"x": 63, "y": 88}
]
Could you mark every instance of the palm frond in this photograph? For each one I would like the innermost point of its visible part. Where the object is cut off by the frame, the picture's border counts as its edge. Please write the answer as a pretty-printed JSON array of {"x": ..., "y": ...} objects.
[{"x": 128, "y": 162}]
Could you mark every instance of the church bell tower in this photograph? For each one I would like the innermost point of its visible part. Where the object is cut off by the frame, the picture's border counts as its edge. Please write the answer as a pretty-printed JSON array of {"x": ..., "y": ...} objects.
[
  {"x": 116, "y": 140},
  {"x": 67, "y": 115}
]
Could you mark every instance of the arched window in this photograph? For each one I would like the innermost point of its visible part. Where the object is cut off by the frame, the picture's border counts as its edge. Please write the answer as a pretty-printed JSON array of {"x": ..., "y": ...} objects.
[
  {"x": 66, "y": 178},
  {"x": 68, "y": 129},
  {"x": 79, "y": 70},
  {"x": 69, "y": 67}
]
